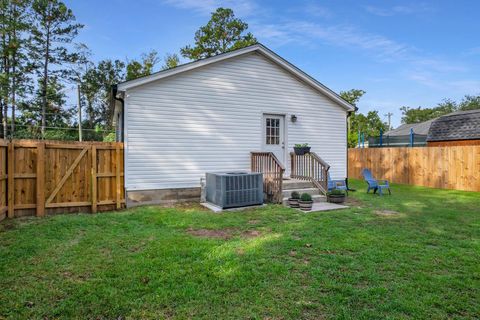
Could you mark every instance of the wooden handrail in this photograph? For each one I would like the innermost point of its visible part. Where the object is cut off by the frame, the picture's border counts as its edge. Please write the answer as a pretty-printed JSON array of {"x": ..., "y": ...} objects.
[
  {"x": 310, "y": 167},
  {"x": 272, "y": 169}
]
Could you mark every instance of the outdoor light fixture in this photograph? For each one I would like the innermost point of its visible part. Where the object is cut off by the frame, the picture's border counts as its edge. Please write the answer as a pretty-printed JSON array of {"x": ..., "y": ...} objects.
[{"x": 293, "y": 118}]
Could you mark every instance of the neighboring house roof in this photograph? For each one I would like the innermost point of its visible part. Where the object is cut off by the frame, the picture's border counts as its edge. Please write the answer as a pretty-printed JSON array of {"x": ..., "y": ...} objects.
[
  {"x": 259, "y": 48},
  {"x": 461, "y": 125},
  {"x": 404, "y": 129}
]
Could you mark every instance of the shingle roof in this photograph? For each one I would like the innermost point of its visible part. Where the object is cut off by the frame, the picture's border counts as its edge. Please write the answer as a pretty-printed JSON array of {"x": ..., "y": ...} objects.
[
  {"x": 461, "y": 125},
  {"x": 404, "y": 129}
]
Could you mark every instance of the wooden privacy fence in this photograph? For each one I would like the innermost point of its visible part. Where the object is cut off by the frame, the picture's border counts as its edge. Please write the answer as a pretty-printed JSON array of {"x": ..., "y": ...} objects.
[
  {"x": 449, "y": 167},
  {"x": 39, "y": 177}
]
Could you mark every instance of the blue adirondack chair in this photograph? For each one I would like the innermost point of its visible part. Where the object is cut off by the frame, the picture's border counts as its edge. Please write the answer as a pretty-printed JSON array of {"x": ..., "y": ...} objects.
[
  {"x": 374, "y": 184},
  {"x": 336, "y": 184}
]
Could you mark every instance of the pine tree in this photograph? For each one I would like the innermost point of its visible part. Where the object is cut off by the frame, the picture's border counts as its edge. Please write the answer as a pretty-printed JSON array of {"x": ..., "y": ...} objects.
[
  {"x": 221, "y": 34},
  {"x": 53, "y": 28},
  {"x": 14, "y": 67}
]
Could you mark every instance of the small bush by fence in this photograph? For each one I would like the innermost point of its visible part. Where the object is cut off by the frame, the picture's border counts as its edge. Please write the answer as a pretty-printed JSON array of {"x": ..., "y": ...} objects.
[
  {"x": 437, "y": 167},
  {"x": 44, "y": 177}
]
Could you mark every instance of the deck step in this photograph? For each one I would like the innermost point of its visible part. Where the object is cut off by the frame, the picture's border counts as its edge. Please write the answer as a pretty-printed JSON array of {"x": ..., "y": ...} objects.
[
  {"x": 311, "y": 191},
  {"x": 292, "y": 184}
]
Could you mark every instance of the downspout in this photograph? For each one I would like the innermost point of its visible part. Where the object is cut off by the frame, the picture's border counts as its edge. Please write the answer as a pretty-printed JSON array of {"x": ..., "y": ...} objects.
[
  {"x": 122, "y": 124},
  {"x": 122, "y": 138},
  {"x": 349, "y": 113}
]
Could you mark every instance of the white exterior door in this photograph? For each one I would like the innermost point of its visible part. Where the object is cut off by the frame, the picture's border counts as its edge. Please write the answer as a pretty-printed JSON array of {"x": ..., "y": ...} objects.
[{"x": 274, "y": 135}]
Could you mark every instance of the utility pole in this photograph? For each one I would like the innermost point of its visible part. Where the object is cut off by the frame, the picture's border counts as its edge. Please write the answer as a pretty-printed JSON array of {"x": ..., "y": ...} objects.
[
  {"x": 79, "y": 114},
  {"x": 389, "y": 116}
]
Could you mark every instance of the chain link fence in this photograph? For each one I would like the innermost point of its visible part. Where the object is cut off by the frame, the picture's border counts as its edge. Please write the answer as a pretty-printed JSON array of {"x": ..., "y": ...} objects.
[{"x": 415, "y": 140}]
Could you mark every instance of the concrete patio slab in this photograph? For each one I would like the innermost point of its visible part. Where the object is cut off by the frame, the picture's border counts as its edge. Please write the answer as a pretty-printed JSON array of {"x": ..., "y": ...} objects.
[
  {"x": 325, "y": 206},
  {"x": 216, "y": 208}
]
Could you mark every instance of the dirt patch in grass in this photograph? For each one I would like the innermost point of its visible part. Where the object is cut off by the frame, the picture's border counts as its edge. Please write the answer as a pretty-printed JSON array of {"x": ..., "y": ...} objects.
[
  {"x": 351, "y": 201},
  {"x": 6, "y": 226},
  {"x": 387, "y": 213},
  {"x": 225, "y": 234},
  {"x": 253, "y": 222},
  {"x": 211, "y": 233},
  {"x": 251, "y": 234}
]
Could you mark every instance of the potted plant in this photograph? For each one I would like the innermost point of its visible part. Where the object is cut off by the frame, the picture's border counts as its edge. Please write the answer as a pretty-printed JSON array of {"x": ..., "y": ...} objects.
[
  {"x": 305, "y": 203},
  {"x": 301, "y": 149},
  {"x": 293, "y": 200},
  {"x": 336, "y": 196}
]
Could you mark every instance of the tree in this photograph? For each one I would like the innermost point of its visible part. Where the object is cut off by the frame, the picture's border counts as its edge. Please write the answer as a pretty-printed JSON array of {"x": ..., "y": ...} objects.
[
  {"x": 53, "y": 27},
  {"x": 56, "y": 115},
  {"x": 144, "y": 67},
  {"x": 416, "y": 115},
  {"x": 14, "y": 67},
  {"x": 109, "y": 73},
  {"x": 469, "y": 103},
  {"x": 221, "y": 34},
  {"x": 352, "y": 96},
  {"x": 90, "y": 90},
  {"x": 370, "y": 125},
  {"x": 171, "y": 60}
]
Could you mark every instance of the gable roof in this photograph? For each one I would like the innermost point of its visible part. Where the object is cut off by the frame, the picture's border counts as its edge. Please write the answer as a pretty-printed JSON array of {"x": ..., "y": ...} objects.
[
  {"x": 418, "y": 128},
  {"x": 461, "y": 125},
  {"x": 259, "y": 48}
]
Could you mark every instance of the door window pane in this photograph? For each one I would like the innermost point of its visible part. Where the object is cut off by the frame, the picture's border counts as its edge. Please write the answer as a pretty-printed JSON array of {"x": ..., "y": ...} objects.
[{"x": 272, "y": 133}]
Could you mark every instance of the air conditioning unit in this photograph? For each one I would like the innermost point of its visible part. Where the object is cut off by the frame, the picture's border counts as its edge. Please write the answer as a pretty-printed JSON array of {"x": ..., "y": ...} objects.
[{"x": 234, "y": 189}]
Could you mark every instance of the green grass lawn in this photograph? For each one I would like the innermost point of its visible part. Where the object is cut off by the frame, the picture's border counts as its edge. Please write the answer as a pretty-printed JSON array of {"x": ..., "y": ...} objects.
[{"x": 415, "y": 254}]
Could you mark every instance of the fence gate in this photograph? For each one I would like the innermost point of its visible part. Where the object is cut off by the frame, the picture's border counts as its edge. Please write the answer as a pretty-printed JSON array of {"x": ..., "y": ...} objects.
[{"x": 38, "y": 177}]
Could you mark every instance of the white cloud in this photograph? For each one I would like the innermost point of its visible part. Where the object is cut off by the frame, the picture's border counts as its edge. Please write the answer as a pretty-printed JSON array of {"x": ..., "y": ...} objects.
[
  {"x": 240, "y": 7},
  {"x": 317, "y": 10},
  {"x": 399, "y": 9},
  {"x": 413, "y": 64},
  {"x": 473, "y": 51},
  {"x": 345, "y": 36}
]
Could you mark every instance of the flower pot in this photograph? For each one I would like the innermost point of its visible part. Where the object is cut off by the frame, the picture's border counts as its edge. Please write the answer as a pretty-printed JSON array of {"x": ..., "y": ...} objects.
[
  {"x": 305, "y": 205},
  {"x": 300, "y": 151},
  {"x": 293, "y": 203},
  {"x": 336, "y": 198}
]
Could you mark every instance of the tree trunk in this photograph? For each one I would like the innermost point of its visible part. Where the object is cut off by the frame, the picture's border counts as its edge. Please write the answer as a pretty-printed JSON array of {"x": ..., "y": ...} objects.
[
  {"x": 91, "y": 114},
  {"x": 1, "y": 117},
  {"x": 80, "y": 138},
  {"x": 4, "y": 103},
  {"x": 45, "y": 82},
  {"x": 14, "y": 75},
  {"x": 5, "y": 123},
  {"x": 14, "y": 83}
]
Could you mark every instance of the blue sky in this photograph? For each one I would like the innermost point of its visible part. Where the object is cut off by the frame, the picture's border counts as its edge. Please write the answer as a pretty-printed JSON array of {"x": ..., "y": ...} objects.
[{"x": 409, "y": 53}]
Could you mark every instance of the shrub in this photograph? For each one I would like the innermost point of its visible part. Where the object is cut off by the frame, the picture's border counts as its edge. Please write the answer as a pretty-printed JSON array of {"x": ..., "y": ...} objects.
[
  {"x": 301, "y": 145},
  {"x": 336, "y": 192},
  {"x": 295, "y": 195},
  {"x": 306, "y": 197}
]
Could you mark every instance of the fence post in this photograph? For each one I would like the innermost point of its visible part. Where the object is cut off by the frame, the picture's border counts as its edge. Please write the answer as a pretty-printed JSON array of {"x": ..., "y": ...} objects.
[
  {"x": 11, "y": 178},
  {"x": 117, "y": 178},
  {"x": 40, "y": 179},
  {"x": 94, "y": 179},
  {"x": 411, "y": 137}
]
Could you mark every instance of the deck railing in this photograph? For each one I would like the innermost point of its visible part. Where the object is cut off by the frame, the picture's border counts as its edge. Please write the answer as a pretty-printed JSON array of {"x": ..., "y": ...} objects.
[
  {"x": 272, "y": 169},
  {"x": 310, "y": 167}
]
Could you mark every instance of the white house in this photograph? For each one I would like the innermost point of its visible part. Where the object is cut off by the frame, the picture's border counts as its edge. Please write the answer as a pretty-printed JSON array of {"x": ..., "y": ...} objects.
[{"x": 209, "y": 115}]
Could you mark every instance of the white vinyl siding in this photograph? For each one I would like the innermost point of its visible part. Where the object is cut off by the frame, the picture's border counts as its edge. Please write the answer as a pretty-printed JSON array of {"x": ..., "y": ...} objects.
[{"x": 210, "y": 119}]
